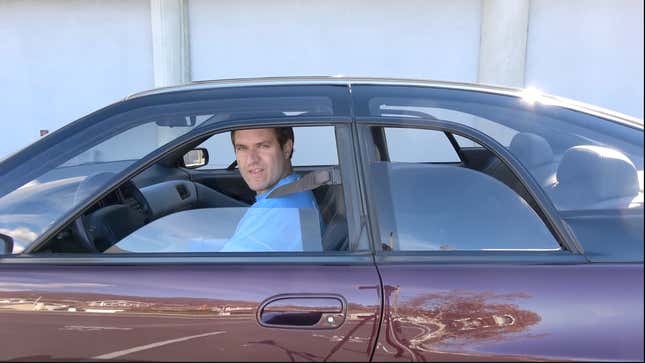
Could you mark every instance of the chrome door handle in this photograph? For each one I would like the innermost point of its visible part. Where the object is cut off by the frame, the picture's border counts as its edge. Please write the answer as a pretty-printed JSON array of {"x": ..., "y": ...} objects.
[{"x": 302, "y": 311}]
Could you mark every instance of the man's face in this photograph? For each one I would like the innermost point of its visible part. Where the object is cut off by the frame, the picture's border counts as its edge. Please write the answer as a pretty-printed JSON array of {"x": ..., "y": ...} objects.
[{"x": 261, "y": 160}]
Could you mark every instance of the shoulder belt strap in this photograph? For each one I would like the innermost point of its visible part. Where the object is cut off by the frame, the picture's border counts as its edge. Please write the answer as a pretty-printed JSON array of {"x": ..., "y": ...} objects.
[{"x": 309, "y": 181}]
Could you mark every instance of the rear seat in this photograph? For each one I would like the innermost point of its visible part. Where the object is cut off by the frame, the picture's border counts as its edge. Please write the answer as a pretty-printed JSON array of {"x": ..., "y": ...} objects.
[
  {"x": 595, "y": 177},
  {"x": 535, "y": 153}
]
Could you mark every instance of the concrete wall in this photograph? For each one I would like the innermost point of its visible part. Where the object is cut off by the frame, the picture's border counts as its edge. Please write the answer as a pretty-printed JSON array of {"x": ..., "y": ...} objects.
[
  {"x": 415, "y": 38},
  {"x": 588, "y": 50},
  {"x": 61, "y": 59}
]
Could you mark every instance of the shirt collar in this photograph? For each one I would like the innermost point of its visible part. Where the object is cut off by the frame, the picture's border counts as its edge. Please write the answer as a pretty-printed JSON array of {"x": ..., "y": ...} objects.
[{"x": 286, "y": 180}]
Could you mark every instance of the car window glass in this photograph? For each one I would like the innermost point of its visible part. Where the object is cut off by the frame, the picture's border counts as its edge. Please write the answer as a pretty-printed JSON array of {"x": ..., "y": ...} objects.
[
  {"x": 582, "y": 162},
  {"x": 408, "y": 145},
  {"x": 503, "y": 134},
  {"x": 320, "y": 150},
  {"x": 48, "y": 197},
  {"x": 436, "y": 206},
  {"x": 99, "y": 147},
  {"x": 181, "y": 210},
  {"x": 210, "y": 229}
]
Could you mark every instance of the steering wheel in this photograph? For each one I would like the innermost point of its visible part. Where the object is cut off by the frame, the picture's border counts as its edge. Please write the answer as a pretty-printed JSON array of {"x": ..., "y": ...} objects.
[{"x": 99, "y": 225}]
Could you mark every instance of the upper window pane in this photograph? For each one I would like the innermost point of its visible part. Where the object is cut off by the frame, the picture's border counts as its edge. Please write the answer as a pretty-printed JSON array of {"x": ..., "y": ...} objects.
[
  {"x": 316, "y": 146},
  {"x": 409, "y": 145}
]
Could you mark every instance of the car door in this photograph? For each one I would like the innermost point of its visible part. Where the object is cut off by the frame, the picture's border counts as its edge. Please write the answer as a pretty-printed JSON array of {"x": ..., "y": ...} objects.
[
  {"x": 60, "y": 302},
  {"x": 476, "y": 262}
]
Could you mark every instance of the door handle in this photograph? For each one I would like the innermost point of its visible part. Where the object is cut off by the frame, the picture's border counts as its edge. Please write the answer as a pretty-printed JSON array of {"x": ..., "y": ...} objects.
[{"x": 302, "y": 311}]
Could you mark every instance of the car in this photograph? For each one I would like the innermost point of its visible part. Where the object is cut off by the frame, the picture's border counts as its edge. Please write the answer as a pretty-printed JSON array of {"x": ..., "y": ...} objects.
[{"x": 455, "y": 222}]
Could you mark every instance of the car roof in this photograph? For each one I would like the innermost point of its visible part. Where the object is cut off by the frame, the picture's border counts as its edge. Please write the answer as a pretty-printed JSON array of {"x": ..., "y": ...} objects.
[{"x": 530, "y": 94}]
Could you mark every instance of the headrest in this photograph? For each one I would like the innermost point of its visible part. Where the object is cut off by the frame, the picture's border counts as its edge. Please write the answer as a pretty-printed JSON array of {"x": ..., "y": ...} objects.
[
  {"x": 604, "y": 172},
  {"x": 531, "y": 149}
]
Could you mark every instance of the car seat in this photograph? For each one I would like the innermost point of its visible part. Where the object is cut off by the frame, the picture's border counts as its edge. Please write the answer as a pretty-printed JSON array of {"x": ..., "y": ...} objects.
[{"x": 594, "y": 177}]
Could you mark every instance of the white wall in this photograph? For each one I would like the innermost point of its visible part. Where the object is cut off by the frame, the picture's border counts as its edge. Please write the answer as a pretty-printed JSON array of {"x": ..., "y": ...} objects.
[
  {"x": 62, "y": 59},
  {"x": 428, "y": 39},
  {"x": 588, "y": 50}
]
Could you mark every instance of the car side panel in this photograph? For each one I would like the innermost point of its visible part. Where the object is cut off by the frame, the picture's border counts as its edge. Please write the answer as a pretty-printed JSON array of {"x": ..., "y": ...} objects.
[
  {"x": 465, "y": 312},
  {"x": 175, "y": 312}
]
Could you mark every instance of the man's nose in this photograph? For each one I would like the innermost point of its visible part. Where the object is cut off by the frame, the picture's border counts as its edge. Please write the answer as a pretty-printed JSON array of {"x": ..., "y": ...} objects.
[{"x": 253, "y": 156}]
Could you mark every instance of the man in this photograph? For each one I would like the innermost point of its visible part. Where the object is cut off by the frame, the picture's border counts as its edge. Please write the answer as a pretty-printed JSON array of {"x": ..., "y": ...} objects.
[{"x": 271, "y": 224}]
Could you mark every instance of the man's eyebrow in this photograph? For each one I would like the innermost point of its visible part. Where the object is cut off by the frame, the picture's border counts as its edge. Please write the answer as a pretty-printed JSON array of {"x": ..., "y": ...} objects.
[{"x": 265, "y": 141}]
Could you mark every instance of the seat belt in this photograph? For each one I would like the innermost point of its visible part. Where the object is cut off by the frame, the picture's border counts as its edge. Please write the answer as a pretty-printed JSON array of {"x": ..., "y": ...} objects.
[{"x": 309, "y": 181}]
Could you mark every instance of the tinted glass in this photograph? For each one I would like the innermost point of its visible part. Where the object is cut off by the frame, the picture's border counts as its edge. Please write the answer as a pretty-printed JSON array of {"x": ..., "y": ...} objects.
[
  {"x": 310, "y": 141},
  {"x": 590, "y": 167},
  {"x": 582, "y": 161},
  {"x": 209, "y": 230},
  {"x": 435, "y": 206},
  {"x": 409, "y": 145},
  {"x": 48, "y": 180}
]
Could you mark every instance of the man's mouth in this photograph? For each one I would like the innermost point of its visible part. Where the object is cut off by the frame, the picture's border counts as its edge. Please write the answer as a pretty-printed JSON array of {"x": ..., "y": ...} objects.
[{"x": 255, "y": 171}]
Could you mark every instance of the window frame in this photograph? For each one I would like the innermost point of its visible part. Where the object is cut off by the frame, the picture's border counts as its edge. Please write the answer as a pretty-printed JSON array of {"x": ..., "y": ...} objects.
[
  {"x": 346, "y": 162},
  {"x": 570, "y": 247}
]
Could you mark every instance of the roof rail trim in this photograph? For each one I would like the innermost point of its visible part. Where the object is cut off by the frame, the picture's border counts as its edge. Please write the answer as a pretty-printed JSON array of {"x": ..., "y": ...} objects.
[{"x": 348, "y": 81}]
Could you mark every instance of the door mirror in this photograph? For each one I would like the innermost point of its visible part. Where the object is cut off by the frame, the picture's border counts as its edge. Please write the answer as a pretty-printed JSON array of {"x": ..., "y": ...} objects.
[
  {"x": 195, "y": 158},
  {"x": 6, "y": 244}
]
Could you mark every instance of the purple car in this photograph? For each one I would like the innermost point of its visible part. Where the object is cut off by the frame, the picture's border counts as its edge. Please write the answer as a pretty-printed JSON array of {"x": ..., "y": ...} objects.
[{"x": 448, "y": 222}]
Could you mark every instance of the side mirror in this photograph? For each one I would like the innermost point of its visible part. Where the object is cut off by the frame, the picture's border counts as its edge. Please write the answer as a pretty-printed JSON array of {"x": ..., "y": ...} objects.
[
  {"x": 195, "y": 158},
  {"x": 6, "y": 244}
]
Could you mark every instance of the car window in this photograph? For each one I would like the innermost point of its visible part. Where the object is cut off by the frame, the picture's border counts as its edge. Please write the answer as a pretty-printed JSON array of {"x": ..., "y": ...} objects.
[
  {"x": 218, "y": 221},
  {"x": 437, "y": 206},
  {"x": 82, "y": 158},
  {"x": 174, "y": 209},
  {"x": 221, "y": 155},
  {"x": 408, "y": 145},
  {"x": 31, "y": 209},
  {"x": 582, "y": 162}
]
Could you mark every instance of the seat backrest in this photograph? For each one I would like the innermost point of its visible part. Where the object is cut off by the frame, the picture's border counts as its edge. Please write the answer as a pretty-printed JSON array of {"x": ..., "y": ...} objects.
[
  {"x": 591, "y": 176},
  {"x": 332, "y": 209}
]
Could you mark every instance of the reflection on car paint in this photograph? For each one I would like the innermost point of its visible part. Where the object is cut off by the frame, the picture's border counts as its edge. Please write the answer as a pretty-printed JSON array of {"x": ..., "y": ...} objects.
[{"x": 449, "y": 321}]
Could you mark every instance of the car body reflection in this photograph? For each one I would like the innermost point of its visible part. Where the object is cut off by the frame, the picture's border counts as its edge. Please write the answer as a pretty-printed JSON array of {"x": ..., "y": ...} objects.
[{"x": 451, "y": 321}]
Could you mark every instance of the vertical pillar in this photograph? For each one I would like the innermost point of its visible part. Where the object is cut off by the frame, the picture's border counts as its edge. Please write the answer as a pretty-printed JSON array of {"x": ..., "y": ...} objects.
[
  {"x": 170, "y": 42},
  {"x": 502, "y": 52},
  {"x": 170, "y": 50}
]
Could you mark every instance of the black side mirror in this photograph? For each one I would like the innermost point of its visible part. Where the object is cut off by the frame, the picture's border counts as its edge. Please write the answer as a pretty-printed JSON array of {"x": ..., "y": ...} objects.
[
  {"x": 195, "y": 158},
  {"x": 6, "y": 244}
]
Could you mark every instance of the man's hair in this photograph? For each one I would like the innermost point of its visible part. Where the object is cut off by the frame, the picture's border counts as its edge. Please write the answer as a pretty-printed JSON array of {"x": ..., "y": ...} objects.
[{"x": 283, "y": 134}]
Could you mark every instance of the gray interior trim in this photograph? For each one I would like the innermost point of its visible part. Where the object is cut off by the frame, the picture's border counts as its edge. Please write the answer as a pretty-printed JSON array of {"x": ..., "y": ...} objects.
[{"x": 169, "y": 196}]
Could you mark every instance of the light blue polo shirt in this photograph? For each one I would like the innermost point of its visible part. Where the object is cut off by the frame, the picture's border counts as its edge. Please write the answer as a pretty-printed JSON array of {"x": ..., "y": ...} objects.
[{"x": 272, "y": 224}]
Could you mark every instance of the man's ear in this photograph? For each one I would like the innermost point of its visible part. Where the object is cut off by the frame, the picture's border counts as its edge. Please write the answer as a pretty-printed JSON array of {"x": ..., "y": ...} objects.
[{"x": 287, "y": 149}]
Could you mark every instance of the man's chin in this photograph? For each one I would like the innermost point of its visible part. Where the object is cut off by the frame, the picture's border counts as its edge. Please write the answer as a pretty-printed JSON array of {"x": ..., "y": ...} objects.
[{"x": 259, "y": 189}]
